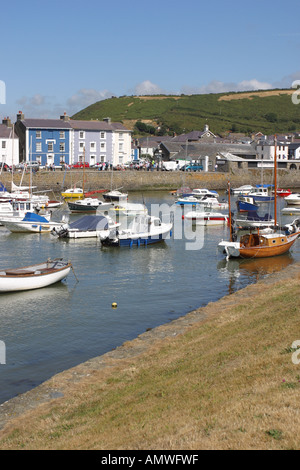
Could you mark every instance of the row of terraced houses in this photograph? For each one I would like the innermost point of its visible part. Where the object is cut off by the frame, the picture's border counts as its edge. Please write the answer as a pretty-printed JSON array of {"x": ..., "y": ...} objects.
[{"x": 65, "y": 141}]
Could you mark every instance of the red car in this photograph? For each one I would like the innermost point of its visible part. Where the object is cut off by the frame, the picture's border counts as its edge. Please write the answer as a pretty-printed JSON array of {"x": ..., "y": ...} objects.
[{"x": 80, "y": 165}]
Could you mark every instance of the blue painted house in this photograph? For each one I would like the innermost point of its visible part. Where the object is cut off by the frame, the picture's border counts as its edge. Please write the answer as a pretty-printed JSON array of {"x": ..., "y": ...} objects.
[{"x": 46, "y": 141}]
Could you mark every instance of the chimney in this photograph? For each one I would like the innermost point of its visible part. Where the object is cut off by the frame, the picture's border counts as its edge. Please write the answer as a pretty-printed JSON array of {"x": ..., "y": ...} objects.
[
  {"x": 65, "y": 117},
  {"x": 20, "y": 116},
  {"x": 7, "y": 122},
  {"x": 108, "y": 120}
]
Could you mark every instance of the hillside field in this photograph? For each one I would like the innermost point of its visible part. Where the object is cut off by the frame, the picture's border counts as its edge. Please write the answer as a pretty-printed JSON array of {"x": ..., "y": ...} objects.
[{"x": 269, "y": 112}]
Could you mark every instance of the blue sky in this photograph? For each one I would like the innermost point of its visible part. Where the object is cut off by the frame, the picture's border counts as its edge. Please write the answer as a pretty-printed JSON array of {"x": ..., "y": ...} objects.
[{"x": 61, "y": 56}]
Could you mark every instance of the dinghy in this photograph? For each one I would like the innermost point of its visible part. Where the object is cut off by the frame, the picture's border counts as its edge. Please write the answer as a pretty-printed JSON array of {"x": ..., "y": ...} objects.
[{"x": 34, "y": 277}]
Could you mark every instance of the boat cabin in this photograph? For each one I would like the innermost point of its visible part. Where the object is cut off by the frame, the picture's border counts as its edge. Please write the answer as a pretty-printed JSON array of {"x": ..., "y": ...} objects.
[{"x": 255, "y": 239}]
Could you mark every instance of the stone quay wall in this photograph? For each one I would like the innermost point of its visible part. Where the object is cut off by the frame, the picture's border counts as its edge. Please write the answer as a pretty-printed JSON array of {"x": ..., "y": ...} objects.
[{"x": 141, "y": 180}]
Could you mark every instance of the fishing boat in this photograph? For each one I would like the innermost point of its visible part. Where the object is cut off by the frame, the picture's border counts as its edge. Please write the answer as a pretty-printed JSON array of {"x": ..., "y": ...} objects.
[
  {"x": 142, "y": 231},
  {"x": 293, "y": 199},
  {"x": 115, "y": 195},
  {"x": 261, "y": 245},
  {"x": 32, "y": 223},
  {"x": 206, "y": 218},
  {"x": 261, "y": 193},
  {"x": 88, "y": 205},
  {"x": 88, "y": 226},
  {"x": 246, "y": 203},
  {"x": 34, "y": 277}
]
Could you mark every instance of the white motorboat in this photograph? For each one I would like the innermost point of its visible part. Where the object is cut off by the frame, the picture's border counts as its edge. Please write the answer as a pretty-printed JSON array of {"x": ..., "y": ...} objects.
[
  {"x": 17, "y": 210},
  {"x": 206, "y": 218},
  {"x": 115, "y": 195},
  {"x": 128, "y": 209},
  {"x": 200, "y": 192},
  {"x": 88, "y": 226},
  {"x": 293, "y": 199},
  {"x": 245, "y": 189},
  {"x": 211, "y": 203},
  {"x": 33, "y": 277},
  {"x": 32, "y": 223},
  {"x": 143, "y": 230}
]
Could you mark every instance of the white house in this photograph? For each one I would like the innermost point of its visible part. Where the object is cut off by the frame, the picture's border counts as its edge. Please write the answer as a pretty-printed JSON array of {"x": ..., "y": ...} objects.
[
  {"x": 9, "y": 144},
  {"x": 266, "y": 150}
]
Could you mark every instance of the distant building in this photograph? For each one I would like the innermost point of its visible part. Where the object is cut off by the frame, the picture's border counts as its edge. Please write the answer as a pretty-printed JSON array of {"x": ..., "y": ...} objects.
[{"x": 9, "y": 143}]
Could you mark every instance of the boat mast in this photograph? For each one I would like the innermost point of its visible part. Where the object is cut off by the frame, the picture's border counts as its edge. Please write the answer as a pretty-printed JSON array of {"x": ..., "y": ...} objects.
[
  {"x": 229, "y": 205},
  {"x": 83, "y": 170},
  {"x": 275, "y": 181}
]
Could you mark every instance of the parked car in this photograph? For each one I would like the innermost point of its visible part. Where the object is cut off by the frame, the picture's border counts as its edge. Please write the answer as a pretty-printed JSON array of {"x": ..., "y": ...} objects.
[
  {"x": 5, "y": 166},
  {"x": 192, "y": 167},
  {"x": 81, "y": 165},
  {"x": 34, "y": 165}
]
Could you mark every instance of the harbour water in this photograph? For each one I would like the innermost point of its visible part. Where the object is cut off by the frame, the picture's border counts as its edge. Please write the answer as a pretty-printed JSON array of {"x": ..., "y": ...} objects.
[{"x": 52, "y": 329}]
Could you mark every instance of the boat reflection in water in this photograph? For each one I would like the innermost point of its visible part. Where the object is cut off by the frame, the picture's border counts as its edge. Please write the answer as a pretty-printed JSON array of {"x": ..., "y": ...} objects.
[{"x": 255, "y": 268}]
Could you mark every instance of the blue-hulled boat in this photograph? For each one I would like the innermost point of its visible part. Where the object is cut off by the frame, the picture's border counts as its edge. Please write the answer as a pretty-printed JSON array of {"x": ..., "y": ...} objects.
[
  {"x": 142, "y": 231},
  {"x": 261, "y": 193},
  {"x": 245, "y": 204}
]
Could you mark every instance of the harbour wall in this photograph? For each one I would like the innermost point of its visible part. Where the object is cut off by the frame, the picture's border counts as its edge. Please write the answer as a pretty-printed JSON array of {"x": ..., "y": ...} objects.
[{"x": 134, "y": 180}]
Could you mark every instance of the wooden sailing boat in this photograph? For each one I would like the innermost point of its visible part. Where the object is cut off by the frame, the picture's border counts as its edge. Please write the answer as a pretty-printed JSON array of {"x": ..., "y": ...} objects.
[{"x": 261, "y": 244}]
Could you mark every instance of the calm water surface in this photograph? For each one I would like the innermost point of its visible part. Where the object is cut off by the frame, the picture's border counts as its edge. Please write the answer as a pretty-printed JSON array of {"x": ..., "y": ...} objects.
[{"x": 49, "y": 330}]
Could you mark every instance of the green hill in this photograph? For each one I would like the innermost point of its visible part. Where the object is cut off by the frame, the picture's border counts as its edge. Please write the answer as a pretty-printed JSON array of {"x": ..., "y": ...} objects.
[{"x": 270, "y": 111}]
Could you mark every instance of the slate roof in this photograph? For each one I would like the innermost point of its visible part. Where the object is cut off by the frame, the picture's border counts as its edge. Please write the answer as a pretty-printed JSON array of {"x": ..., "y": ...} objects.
[
  {"x": 46, "y": 123},
  {"x": 6, "y": 132},
  {"x": 73, "y": 124},
  {"x": 201, "y": 149}
]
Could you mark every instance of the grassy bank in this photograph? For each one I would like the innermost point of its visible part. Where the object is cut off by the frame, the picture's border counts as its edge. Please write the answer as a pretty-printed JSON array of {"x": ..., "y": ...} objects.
[{"x": 220, "y": 378}]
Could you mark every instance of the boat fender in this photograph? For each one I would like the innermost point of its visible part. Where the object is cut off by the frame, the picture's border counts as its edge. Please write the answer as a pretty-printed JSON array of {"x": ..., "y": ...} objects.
[
  {"x": 114, "y": 305},
  {"x": 139, "y": 242}
]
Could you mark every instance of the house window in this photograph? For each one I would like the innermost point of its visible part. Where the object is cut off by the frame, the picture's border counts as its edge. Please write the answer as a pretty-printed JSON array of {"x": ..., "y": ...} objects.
[
  {"x": 62, "y": 134},
  {"x": 121, "y": 147},
  {"x": 121, "y": 137},
  {"x": 93, "y": 146},
  {"x": 62, "y": 147},
  {"x": 81, "y": 134},
  {"x": 102, "y": 146},
  {"x": 38, "y": 134},
  {"x": 50, "y": 146},
  {"x": 38, "y": 147},
  {"x": 102, "y": 135},
  {"x": 81, "y": 146},
  {"x": 3, "y": 144},
  {"x": 102, "y": 158}
]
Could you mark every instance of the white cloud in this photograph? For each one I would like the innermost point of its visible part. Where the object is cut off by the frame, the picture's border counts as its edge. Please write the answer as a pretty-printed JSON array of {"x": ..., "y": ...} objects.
[
  {"x": 85, "y": 97},
  {"x": 148, "y": 88},
  {"x": 216, "y": 86}
]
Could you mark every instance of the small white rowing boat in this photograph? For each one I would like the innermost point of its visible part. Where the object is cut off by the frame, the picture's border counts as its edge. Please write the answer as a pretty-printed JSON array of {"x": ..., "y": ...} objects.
[{"x": 34, "y": 277}]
